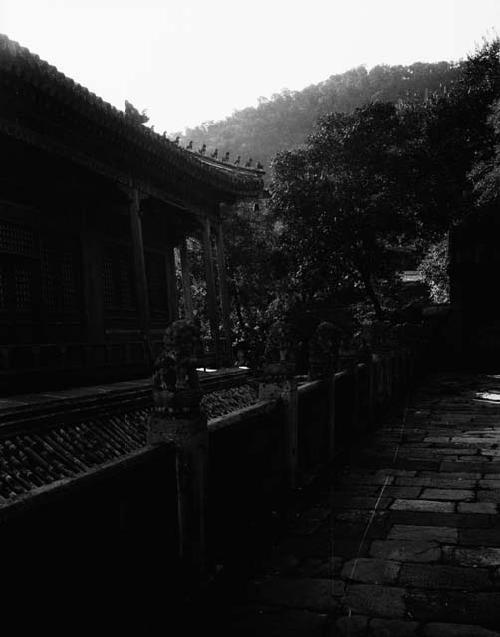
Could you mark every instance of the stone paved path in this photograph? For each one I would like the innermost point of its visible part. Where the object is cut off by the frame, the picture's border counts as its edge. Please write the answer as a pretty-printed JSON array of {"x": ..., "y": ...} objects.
[{"x": 407, "y": 542}]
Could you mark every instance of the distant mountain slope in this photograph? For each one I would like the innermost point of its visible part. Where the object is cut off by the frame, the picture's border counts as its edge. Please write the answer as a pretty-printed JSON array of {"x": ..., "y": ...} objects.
[{"x": 286, "y": 119}]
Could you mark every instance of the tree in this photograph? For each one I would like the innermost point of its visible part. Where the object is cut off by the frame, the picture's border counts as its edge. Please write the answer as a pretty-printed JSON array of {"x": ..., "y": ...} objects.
[
  {"x": 485, "y": 175},
  {"x": 256, "y": 267},
  {"x": 434, "y": 270},
  {"x": 459, "y": 137},
  {"x": 286, "y": 119},
  {"x": 347, "y": 199}
]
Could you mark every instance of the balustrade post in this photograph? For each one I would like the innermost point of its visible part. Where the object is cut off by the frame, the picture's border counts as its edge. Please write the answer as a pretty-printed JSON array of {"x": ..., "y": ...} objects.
[
  {"x": 371, "y": 389},
  {"x": 290, "y": 398},
  {"x": 390, "y": 378},
  {"x": 323, "y": 363},
  {"x": 331, "y": 416},
  {"x": 403, "y": 368},
  {"x": 356, "y": 396},
  {"x": 278, "y": 382},
  {"x": 177, "y": 419},
  {"x": 285, "y": 390},
  {"x": 395, "y": 372},
  {"x": 400, "y": 370},
  {"x": 411, "y": 364}
]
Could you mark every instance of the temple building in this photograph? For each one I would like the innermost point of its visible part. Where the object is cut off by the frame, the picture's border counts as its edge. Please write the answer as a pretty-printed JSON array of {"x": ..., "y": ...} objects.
[{"x": 92, "y": 206}]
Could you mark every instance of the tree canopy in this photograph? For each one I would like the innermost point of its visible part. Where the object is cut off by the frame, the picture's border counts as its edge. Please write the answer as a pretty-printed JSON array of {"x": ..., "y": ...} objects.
[
  {"x": 370, "y": 170},
  {"x": 287, "y": 118},
  {"x": 372, "y": 185}
]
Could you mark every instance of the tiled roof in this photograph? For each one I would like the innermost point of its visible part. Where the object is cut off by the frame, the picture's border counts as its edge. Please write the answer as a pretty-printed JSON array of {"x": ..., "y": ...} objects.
[{"x": 18, "y": 62}]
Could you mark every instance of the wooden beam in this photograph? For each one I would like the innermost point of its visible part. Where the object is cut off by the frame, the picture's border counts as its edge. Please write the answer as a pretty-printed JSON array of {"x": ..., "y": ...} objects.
[
  {"x": 173, "y": 309},
  {"x": 93, "y": 288},
  {"x": 224, "y": 293},
  {"x": 186, "y": 281},
  {"x": 141, "y": 284}
]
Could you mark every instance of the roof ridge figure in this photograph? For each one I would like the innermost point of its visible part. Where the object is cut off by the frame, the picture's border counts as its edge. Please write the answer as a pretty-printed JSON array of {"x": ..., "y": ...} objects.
[{"x": 28, "y": 66}]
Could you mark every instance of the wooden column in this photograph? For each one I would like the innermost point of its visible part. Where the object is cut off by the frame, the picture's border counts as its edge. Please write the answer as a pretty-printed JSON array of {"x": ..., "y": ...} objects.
[
  {"x": 371, "y": 389},
  {"x": 141, "y": 285},
  {"x": 189, "y": 436},
  {"x": 224, "y": 293},
  {"x": 330, "y": 383},
  {"x": 93, "y": 288},
  {"x": 290, "y": 398},
  {"x": 186, "y": 280},
  {"x": 211, "y": 291},
  {"x": 173, "y": 310}
]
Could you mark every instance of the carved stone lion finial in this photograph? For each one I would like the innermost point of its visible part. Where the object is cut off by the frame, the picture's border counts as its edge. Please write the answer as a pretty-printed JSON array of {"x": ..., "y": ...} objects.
[
  {"x": 324, "y": 351},
  {"x": 176, "y": 387},
  {"x": 279, "y": 353},
  {"x": 381, "y": 336}
]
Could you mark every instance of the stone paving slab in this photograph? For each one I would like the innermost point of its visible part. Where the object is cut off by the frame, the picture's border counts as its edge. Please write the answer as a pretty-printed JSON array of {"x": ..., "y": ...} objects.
[
  {"x": 445, "y": 534},
  {"x": 457, "y": 630},
  {"x": 274, "y": 622},
  {"x": 406, "y": 543}
]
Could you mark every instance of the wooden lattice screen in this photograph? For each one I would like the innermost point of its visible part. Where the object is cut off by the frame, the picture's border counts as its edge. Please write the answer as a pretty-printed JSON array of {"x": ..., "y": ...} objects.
[
  {"x": 60, "y": 293},
  {"x": 39, "y": 282},
  {"x": 157, "y": 283},
  {"x": 118, "y": 279},
  {"x": 18, "y": 262}
]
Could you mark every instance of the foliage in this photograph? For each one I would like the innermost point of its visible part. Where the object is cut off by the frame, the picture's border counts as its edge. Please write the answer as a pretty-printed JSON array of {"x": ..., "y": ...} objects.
[
  {"x": 385, "y": 179},
  {"x": 256, "y": 271},
  {"x": 287, "y": 118},
  {"x": 397, "y": 156},
  {"x": 347, "y": 199},
  {"x": 256, "y": 268},
  {"x": 434, "y": 270},
  {"x": 459, "y": 137},
  {"x": 485, "y": 175}
]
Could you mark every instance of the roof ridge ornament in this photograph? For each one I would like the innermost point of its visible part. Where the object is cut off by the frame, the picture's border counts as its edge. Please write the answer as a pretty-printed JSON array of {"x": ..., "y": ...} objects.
[
  {"x": 123, "y": 125},
  {"x": 133, "y": 115}
]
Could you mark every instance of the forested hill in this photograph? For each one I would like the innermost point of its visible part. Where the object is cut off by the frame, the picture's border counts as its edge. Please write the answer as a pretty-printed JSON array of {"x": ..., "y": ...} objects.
[{"x": 285, "y": 120}]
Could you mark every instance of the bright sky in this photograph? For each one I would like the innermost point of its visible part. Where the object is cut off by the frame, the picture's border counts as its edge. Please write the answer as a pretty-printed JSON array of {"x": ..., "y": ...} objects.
[{"x": 190, "y": 61}]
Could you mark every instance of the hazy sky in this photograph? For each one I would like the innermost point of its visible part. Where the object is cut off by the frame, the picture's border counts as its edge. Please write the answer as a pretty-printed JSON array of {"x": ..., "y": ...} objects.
[{"x": 190, "y": 61}]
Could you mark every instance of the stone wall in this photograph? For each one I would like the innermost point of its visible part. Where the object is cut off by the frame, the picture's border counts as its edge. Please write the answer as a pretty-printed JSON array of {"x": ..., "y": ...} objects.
[{"x": 107, "y": 544}]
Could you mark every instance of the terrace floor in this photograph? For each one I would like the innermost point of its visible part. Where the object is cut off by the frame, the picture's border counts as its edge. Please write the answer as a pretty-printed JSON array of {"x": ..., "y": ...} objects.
[{"x": 405, "y": 542}]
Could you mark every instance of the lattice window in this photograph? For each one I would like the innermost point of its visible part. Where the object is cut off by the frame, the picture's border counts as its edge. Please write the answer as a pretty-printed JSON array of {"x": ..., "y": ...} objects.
[
  {"x": 126, "y": 282},
  {"x": 118, "y": 278},
  {"x": 3, "y": 289},
  {"x": 157, "y": 281},
  {"x": 16, "y": 239},
  {"x": 49, "y": 281},
  {"x": 59, "y": 280},
  {"x": 108, "y": 283},
  {"x": 69, "y": 288},
  {"x": 23, "y": 290}
]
